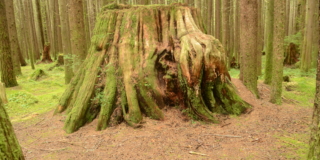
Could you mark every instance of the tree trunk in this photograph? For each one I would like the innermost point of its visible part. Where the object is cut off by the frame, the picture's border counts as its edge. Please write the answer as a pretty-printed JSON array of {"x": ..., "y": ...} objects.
[
  {"x": 77, "y": 33},
  {"x": 3, "y": 95},
  {"x": 143, "y": 58},
  {"x": 218, "y": 19},
  {"x": 226, "y": 29},
  {"x": 269, "y": 46},
  {"x": 8, "y": 76},
  {"x": 260, "y": 38},
  {"x": 66, "y": 44},
  {"x": 248, "y": 47},
  {"x": 14, "y": 43},
  {"x": 278, "y": 50},
  {"x": 307, "y": 48},
  {"x": 314, "y": 150},
  {"x": 10, "y": 148}
]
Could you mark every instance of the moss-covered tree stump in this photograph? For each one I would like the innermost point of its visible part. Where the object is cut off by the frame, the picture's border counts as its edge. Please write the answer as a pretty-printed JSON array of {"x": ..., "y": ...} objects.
[{"x": 143, "y": 58}]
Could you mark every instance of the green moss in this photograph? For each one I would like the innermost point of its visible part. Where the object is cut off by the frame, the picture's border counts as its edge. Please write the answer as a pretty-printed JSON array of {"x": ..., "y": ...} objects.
[
  {"x": 37, "y": 74},
  {"x": 34, "y": 97},
  {"x": 296, "y": 145},
  {"x": 108, "y": 97}
]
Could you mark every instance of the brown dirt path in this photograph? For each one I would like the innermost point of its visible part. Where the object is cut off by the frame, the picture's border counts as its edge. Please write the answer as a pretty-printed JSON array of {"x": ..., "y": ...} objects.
[{"x": 250, "y": 136}]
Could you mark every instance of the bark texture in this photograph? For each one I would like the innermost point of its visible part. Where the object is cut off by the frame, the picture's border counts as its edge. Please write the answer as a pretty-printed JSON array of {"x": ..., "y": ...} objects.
[
  {"x": 65, "y": 38},
  {"x": 15, "y": 47},
  {"x": 269, "y": 39},
  {"x": 143, "y": 58},
  {"x": 314, "y": 150},
  {"x": 7, "y": 73},
  {"x": 248, "y": 46},
  {"x": 77, "y": 33},
  {"x": 278, "y": 51},
  {"x": 9, "y": 145}
]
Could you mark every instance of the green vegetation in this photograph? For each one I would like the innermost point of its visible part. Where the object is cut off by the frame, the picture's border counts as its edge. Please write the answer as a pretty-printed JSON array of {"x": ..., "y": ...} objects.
[
  {"x": 299, "y": 91},
  {"x": 296, "y": 145},
  {"x": 35, "y": 97}
]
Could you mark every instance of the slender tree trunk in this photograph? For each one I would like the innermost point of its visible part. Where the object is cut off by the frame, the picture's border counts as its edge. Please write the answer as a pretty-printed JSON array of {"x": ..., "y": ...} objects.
[
  {"x": 38, "y": 25},
  {"x": 91, "y": 15},
  {"x": 21, "y": 32},
  {"x": 226, "y": 29},
  {"x": 218, "y": 19},
  {"x": 260, "y": 37},
  {"x": 77, "y": 33},
  {"x": 237, "y": 35},
  {"x": 269, "y": 46},
  {"x": 29, "y": 35},
  {"x": 14, "y": 43},
  {"x": 307, "y": 48},
  {"x": 63, "y": 10},
  {"x": 8, "y": 76},
  {"x": 279, "y": 33},
  {"x": 86, "y": 22},
  {"x": 34, "y": 28},
  {"x": 248, "y": 47}
]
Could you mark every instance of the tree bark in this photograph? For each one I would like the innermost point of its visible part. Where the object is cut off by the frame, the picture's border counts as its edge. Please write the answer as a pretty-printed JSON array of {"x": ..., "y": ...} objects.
[
  {"x": 269, "y": 46},
  {"x": 308, "y": 45},
  {"x": 248, "y": 47},
  {"x": 226, "y": 29},
  {"x": 143, "y": 58},
  {"x": 314, "y": 143},
  {"x": 278, "y": 50},
  {"x": 3, "y": 95},
  {"x": 66, "y": 43},
  {"x": 14, "y": 43},
  {"x": 10, "y": 148},
  {"x": 8, "y": 76},
  {"x": 77, "y": 33}
]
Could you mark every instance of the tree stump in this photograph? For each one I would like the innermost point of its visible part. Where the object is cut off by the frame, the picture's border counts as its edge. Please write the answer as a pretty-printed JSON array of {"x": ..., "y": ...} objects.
[
  {"x": 143, "y": 58},
  {"x": 46, "y": 54},
  {"x": 292, "y": 54},
  {"x": 60, "y": 60}
]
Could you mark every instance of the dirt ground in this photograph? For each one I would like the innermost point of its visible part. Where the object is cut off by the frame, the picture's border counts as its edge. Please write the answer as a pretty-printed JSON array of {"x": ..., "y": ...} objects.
[{"x": 250, "y": 136}]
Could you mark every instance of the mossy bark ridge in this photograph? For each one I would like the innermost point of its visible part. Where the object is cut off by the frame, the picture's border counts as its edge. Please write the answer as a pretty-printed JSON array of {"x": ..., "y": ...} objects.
[
  {"x": 9, "y": 145},
  {"x": 143, "y": 58}
]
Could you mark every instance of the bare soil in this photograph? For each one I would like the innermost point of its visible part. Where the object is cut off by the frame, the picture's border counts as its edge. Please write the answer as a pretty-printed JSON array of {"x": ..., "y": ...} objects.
[{"x": 254, "y": 135}]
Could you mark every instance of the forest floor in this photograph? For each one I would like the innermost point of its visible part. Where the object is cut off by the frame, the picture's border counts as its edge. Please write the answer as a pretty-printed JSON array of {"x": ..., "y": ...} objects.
[{"x": 268, "y": 132}]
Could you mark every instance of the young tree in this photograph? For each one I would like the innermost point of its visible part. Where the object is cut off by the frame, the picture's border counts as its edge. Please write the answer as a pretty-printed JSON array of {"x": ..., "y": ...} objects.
[
  {"x": 77, "y": 33},
  {"x": 248, "y": 44},
  {"x": 278, "y": 50},
  {"x": 8, "y": 76},
  {"x": 10, "y": 148},
  {"x": 133, "y": 69}
]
